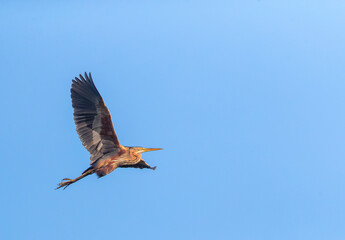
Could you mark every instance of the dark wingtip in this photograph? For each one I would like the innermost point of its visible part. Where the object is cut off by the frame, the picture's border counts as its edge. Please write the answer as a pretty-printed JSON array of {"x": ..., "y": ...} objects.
[
  {"x": 90, "y": 77},
  {"x": 81, "y": 77},
  {"x": 86, "y": 77},
  {"x": 154, "y": 168}
]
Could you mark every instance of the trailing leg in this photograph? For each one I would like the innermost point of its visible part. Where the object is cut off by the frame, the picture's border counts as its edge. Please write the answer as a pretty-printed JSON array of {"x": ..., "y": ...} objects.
[{"x": 66, "y": 181}]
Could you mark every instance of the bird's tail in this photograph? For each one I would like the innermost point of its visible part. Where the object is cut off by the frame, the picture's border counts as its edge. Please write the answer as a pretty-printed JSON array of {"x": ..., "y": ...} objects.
[{"x": 66, "y": 181}]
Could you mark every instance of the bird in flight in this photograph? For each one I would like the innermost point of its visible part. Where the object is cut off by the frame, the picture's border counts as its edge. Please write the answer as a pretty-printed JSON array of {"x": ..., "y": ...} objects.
[{"x": 96, "y": 132}]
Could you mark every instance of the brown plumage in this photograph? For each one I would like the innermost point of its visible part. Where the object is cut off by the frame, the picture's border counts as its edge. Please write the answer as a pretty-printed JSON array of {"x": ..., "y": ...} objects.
[{"x": 95, "y": 129}]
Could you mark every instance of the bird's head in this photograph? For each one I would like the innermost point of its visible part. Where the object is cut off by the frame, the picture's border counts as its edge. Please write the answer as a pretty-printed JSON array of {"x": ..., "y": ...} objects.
[{"x": 142, "y": 149}]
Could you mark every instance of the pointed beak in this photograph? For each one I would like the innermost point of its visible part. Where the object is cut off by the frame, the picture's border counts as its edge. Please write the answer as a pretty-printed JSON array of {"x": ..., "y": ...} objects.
[{"x": 151, "y": 149}]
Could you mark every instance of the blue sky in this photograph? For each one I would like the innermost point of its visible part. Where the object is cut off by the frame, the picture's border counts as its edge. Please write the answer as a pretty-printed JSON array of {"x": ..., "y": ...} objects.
[{"x": 246, "y": 98}]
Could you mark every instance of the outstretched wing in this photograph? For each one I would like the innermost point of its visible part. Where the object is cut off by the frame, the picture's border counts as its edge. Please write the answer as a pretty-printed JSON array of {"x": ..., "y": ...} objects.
[
  {"x": 92, "y": 119},
  {"x": 141, "y": 164}
]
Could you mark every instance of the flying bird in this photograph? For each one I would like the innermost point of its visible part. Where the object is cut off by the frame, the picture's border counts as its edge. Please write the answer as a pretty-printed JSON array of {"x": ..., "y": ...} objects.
[{"x": 95, "y": 129}]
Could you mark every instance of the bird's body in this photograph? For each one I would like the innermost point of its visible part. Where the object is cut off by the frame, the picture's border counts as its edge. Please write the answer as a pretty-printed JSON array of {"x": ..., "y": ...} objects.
[
  {"x": 96, "y": 131},
  {"x": 126, "y": 157}
]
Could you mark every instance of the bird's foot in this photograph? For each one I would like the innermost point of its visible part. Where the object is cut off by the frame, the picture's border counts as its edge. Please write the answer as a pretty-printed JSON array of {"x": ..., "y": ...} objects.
[
  {"x": 65, "y": 183},
  {"x": 153, "y": 168}
]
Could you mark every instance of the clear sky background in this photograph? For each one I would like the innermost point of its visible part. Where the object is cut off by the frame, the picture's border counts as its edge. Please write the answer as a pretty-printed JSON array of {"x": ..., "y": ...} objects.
[{"x": 246, "y": 98}]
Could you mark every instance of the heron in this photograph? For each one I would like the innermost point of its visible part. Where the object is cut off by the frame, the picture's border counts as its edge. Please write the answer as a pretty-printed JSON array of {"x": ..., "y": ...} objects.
[{"x": 96, "y": 131}]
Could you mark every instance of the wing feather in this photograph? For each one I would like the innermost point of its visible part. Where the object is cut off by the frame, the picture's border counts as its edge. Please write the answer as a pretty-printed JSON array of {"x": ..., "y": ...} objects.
[
  {"x": 92, "y": 118},
  {"x": 141, "y": 164}
]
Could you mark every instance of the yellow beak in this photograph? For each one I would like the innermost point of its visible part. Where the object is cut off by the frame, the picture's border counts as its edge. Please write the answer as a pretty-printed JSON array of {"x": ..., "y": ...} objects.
[{"x": 151, "y": 149}]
